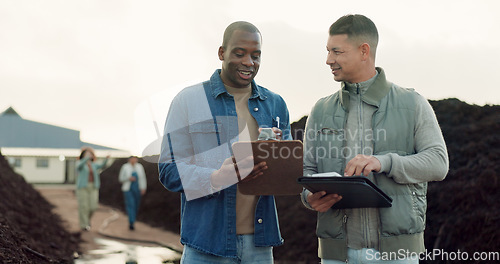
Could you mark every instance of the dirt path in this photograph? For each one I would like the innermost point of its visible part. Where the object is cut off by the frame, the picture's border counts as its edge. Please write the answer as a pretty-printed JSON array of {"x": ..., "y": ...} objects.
[{"x": 106, "y": 222}]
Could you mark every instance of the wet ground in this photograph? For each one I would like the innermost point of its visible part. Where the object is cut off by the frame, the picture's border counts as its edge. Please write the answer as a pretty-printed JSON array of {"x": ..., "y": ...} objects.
[
  {"x": 113, "y": 251},
  {"x": 109, "y": 240}
]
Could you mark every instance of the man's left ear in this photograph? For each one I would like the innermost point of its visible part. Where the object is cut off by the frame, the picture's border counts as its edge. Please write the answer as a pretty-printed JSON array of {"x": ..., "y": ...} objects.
[
  {"x": 365, "y": 50},
  {"x": 221, "y": 53}
]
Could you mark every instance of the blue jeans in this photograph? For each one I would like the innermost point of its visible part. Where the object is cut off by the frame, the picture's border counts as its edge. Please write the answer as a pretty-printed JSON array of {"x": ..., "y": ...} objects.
[
  {"x": 247, "y": 253},
  {"x": 368, "y": 256},
  {"x": 132, "y": 201}
]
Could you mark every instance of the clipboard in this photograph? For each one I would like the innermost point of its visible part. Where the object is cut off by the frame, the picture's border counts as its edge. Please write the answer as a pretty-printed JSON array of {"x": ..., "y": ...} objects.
[
  {"x": 284, "y": 162},
  {"x": 356, "y": 191}
]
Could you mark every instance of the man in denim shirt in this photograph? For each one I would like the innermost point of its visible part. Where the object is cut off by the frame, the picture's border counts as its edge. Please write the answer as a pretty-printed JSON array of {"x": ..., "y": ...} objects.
[{"x": 219, "y": 224}]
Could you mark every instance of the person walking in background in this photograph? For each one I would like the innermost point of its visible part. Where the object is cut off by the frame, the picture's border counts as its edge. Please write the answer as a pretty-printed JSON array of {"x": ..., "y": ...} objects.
[
  {"x": 88, "y": 183},
  {"x": 373, "y": 128},
  {"x": 219, "y": 224},
  {"x": 133, "y": 179}
]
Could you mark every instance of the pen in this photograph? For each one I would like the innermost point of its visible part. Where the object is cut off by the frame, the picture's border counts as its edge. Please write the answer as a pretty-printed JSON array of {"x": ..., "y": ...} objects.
[{"x": 278, "y": 125}]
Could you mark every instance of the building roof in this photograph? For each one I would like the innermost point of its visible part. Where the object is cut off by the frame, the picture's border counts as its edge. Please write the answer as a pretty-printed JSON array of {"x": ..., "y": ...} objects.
[
  {"x": 16, "y": 132},
  {"x": 9, "y": 111}
]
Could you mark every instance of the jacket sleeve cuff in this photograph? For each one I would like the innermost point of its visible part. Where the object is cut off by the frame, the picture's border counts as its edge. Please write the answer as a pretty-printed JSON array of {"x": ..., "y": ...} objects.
[
  {"x": 303, "y": 197},
  {"x": 385, "y": 163}
]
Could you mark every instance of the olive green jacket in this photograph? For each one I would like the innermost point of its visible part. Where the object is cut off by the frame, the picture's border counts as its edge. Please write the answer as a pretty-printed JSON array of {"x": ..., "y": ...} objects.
[{"x": 407, "y": 164}]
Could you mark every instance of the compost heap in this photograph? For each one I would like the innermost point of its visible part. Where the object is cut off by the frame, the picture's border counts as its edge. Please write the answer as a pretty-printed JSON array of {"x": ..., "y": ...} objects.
[{"x": 29, "y": 231}]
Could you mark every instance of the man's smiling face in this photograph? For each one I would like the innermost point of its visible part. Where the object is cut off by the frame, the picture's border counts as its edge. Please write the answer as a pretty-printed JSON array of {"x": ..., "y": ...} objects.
[
  {"x": 344, "y": 59},
  {"x": 240, "y": 59}
]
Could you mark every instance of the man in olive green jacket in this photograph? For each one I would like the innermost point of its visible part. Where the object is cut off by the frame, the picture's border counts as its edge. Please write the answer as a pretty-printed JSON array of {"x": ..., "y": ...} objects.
[{"x": 374, "y": 128}]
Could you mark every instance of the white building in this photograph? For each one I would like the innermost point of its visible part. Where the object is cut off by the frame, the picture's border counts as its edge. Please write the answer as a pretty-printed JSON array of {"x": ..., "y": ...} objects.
[{"x": 44, "y": 153}]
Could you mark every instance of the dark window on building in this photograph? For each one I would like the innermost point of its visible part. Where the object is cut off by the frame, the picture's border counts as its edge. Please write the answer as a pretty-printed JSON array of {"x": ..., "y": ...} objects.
[
  {"x": 17, "y": 163},
  {"x": 42, "y": 163}
]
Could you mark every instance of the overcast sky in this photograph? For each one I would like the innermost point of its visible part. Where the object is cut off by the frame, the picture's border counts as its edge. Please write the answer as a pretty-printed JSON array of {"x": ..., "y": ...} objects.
[{"x": 110, "y": 68}]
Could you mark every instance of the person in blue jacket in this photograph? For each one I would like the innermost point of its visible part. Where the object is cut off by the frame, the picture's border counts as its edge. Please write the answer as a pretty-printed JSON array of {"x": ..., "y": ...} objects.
[{"x": 219, "y": 224}]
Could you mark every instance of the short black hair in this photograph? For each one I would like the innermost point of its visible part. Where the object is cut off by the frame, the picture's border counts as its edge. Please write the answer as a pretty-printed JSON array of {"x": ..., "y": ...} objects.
[
  {"x": 238, "y": 25},
  {"x": 357, "y": 28}
]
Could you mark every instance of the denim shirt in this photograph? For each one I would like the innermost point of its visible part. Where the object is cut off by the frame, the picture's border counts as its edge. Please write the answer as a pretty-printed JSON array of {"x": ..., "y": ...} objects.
[{"x": 201, "y": 126}]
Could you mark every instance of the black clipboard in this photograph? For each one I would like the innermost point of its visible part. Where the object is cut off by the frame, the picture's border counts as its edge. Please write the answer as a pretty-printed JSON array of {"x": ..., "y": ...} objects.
[
  {"x": 356, "y": 191},
  {"x": 284, "y": 162}
]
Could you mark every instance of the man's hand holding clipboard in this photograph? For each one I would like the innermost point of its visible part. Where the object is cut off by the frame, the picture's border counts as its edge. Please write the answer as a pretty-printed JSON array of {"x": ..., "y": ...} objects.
[{"x": 283, "y": 159}]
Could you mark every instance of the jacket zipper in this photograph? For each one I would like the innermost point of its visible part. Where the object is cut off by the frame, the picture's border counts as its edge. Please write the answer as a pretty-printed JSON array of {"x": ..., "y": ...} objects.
[
  {"x": 379, "y": 221},
  {"x": 363, "y": 211},
  {"x": 360, "y": 120},
  {"x": 344, "y": 220},
  {"x": 344, "y": 145}
]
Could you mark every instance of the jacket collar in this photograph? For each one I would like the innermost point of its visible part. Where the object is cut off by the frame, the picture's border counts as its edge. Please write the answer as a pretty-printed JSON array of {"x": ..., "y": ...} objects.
[
  {"x": 373, "y": 94},
  {"x": 218, "y": 88}
]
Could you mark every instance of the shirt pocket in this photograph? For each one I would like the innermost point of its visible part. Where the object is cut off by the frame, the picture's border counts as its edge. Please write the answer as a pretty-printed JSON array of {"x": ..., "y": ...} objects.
[
  {"x": 204, "y": 127},
  {"x": 204, "y": 135},
  {"x": 206, "y": 140}
]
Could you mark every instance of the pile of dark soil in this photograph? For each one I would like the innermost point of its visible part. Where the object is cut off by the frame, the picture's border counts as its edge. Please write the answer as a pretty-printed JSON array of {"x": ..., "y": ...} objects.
[
  {"x": 29, "y": 231},
  {"x": 462, "y": 209}
]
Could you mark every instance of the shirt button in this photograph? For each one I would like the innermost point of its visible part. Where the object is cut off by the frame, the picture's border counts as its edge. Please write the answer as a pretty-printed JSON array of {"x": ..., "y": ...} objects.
[
  {"x": 256, "y": 109},
  {"x": 260, "y": 220}
]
